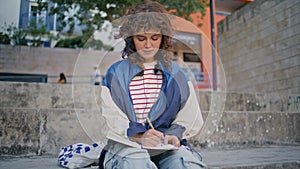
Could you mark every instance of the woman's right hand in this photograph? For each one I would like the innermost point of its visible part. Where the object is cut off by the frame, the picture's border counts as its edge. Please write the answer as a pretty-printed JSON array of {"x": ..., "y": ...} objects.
[{"x": 150, "y": 138}]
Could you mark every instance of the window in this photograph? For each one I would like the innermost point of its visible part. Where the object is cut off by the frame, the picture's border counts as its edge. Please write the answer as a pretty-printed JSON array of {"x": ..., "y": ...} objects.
[
  {"x": 33, "y": 14},
  {"x": 191, "y": 57}
]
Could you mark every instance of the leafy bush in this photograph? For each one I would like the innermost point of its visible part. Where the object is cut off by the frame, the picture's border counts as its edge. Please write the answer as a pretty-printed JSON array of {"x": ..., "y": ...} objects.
[
  {"x": 4, "y": 38},
  {"x": 70, "y": 43}
]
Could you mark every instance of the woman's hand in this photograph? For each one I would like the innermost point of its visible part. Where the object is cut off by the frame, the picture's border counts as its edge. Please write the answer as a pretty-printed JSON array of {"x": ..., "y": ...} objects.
[
  {"x": 150, "y": 138},
  {"x": 172, "y": 139}
]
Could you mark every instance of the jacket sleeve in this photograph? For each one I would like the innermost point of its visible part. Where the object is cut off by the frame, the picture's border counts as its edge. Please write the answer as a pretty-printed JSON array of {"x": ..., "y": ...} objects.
[
  {"x": 190, "y": 116},
  {"x": 116, "y": 120}
]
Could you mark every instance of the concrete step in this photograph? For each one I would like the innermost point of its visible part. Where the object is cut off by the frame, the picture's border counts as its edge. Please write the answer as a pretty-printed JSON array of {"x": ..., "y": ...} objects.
[{"x": 271, "y": 157}]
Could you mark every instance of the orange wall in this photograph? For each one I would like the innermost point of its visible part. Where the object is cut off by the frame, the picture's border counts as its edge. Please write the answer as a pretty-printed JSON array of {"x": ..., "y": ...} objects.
[{"x": 206, "y": 45}]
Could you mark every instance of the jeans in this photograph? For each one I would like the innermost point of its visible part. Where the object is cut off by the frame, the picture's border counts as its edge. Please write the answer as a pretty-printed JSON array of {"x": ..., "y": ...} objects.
[{"x": 120, "y": 156}]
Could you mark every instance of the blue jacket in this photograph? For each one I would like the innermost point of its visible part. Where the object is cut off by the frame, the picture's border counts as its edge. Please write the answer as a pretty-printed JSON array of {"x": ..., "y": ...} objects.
[{"x": 172, "y": 98}]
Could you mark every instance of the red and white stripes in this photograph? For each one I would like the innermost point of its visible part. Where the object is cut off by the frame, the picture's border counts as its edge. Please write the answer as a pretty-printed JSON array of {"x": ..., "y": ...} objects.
[{"x": 144, "y": 92}]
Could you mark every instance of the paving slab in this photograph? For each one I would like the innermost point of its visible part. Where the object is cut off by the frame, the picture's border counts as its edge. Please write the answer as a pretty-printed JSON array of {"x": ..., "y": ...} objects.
[
  {"x": 279, "y": 157},
  {"x": 259, "y": 157}
]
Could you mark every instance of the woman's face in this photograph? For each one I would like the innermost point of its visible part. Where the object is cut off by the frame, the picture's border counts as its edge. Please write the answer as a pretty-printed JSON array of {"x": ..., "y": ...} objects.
[{"x": 147, "y": 44}]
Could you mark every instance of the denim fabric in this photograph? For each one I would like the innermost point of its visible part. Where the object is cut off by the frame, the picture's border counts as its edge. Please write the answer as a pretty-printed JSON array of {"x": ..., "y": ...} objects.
[
  {"x": 178, "y": 159},
  {"x": 120, "y": 156}
]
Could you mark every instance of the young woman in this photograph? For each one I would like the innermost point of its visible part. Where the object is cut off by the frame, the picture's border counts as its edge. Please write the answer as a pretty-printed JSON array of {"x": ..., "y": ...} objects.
[{"x": 146, "y": 84}]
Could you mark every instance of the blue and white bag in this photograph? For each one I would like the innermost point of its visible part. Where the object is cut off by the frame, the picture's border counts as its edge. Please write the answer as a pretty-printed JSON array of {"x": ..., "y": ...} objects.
[{"x": 79, "y": 155}]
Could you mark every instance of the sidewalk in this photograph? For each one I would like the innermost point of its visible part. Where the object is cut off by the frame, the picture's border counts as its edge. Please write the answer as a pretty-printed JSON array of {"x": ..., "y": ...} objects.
[{"x": 264, "y": 157}]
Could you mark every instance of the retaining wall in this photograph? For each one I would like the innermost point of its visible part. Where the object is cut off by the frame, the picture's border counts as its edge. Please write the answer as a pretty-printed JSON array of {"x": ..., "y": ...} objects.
[{"x": 39, "y": 118}]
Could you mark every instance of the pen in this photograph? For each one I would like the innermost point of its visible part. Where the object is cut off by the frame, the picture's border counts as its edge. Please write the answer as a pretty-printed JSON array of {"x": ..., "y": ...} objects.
[
  {"x": 149, "y": 121},
  {"x": 151, "y": 125}
]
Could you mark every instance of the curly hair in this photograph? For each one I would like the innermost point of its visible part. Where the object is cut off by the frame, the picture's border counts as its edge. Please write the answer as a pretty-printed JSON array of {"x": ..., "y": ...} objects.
[{"x": 149, "y": 16}]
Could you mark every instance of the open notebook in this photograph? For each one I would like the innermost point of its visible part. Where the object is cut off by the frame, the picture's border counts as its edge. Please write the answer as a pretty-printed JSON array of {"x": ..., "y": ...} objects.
[
  {"x": 161, "y": 147},
  {"x": 125, "y": 141}
]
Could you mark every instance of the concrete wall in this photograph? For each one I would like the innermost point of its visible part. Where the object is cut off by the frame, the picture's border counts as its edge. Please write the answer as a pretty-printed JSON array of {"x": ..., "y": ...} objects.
[
  {"x": 38, "y": 118},
  {"x": 52, "y": 61},
  {"x": 259, "y": 47}
]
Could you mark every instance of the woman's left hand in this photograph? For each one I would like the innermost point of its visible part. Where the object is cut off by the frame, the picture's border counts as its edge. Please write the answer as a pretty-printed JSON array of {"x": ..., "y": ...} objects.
[{"x": 172, "y": 139}]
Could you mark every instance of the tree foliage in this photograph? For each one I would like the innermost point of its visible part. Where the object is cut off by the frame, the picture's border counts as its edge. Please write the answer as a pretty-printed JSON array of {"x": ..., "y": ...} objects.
[
  {"x": 33, "y": 36},
  {"x": 91, "y": 14},
  {"x": 70, "y": 43},
  {"x": 37, "y": 31},
  {"x": 76, "y": 42},
  {"x": 4, "y": 38},
  {"x": 16, "y": 36}
]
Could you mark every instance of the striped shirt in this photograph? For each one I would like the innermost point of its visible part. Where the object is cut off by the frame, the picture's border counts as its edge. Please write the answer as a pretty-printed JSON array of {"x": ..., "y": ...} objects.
[{"x": 144, "y": 91}]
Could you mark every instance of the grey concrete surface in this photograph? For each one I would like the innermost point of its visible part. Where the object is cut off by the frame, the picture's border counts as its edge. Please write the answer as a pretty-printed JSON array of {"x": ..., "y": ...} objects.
[
  {"x": 44, "y": 117},
  {"x": 258, "y": 158}
]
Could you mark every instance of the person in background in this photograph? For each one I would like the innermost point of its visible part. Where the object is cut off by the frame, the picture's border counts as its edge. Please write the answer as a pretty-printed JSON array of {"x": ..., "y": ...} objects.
[
  {"x": 147, "y": 100},
  {"x": 96, "y": 77},
  {"x": 62, "y": 79}
]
